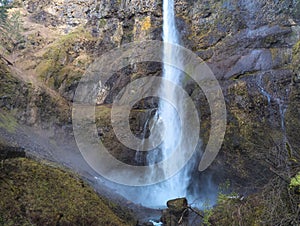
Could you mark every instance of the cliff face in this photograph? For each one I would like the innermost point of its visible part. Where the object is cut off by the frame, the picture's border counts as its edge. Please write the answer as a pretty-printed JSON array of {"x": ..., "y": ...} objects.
[{"x": 251, "y": 46}]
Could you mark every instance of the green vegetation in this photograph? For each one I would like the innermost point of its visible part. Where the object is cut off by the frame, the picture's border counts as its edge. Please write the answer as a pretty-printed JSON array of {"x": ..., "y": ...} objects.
[
  {"x": 62, "y": 61},
  {"x": 275, "y": 204},
  {"x": 8, "y": 122},
  {"x": 34, "y": 193},
  {"x": 16, "y": 95},
  {"x": 208, "y": 212},
  {"x": 295, "y": 181},
  {"x": 296, "y": 60},
  {"x": 4, "y": 4},
  {"x": 102, "y": 22},
  {"x": 8, "y": 83},
  {"x": 10, "y": 28}
]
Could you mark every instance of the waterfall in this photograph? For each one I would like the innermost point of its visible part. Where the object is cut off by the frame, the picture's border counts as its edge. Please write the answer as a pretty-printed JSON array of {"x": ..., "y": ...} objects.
[
  {"x": 276, "y": 98},
  {"x": 170, "y": 127},
  {"x": 167, "y": 115},
  {"x": 262, "y": 89}
]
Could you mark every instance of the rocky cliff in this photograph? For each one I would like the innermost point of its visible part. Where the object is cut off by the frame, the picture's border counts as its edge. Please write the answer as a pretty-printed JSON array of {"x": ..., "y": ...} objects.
[{"x": 252, "y": 48}]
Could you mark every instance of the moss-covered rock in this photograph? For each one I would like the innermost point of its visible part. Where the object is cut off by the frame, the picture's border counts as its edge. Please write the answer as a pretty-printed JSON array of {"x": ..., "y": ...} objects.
[
  {"x": 65, "y": 61},
  {"x": 34, "y": 193},
  {"x": 28, "y": 103},
  {"x": 177, "y": 212},
  {"x": 177, "y": 205},
  {"x": 293, "y": 111}
]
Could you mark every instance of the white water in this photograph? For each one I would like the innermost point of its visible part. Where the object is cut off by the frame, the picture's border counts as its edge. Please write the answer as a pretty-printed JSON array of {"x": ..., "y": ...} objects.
[
  {"x": 176, "y": 186},
  {"x": 280, "y": 102},
  {"x": 262, "y": 89},
  {"x": 169, "y": 124}
]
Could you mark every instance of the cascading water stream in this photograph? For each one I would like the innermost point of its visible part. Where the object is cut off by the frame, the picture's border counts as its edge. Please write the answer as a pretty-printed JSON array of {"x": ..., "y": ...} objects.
[
  {"x": 167, "y": 115},
  {"x": 262, "y": 89},
  {"x": 282, "y": 106},
  {"x": 171, "y": 128}
]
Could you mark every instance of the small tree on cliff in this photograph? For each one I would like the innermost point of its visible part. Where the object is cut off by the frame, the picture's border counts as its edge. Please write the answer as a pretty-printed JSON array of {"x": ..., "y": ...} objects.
[{"x": 10, "y": 29}]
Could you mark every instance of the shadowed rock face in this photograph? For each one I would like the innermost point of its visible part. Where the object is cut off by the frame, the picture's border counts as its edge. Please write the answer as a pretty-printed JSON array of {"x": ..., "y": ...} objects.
[
  {"x": 249, "y": 46},
  {"x": 7, "y": 152},
  {"x": 293, "y": 110}
]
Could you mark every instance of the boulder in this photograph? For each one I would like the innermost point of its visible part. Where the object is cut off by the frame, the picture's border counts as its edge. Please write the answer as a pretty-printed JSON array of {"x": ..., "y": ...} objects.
[
  {"x": 177, "y": 206},
  {"x": 177, "y": 212}
]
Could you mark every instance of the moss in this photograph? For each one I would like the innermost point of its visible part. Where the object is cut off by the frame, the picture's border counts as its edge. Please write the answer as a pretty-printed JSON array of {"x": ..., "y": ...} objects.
[
  {"x": 16, "y": 97},
  {"x": 295, "y": 181},
  {"x": 292, "y": 115},
  {"x": 8, "y": 122},
  {"x": 102, "y": 115},
  {"x": 102, "y": 23},
  {"x": 44, "y": 68},
  {"x": 296, "y": 49},
  {"x": 33, "y": 193},
  {"x": 296, "y": 57},
  {"x": 61, "y": 59},
  {"x": 8, "y": 82}
]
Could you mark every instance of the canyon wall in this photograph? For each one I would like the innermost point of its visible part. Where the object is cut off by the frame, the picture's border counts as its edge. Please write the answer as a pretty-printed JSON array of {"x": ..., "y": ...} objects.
[{"x": 251, "y": 46}]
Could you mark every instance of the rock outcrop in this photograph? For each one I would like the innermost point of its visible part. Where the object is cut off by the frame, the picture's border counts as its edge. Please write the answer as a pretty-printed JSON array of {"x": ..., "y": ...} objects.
[
  {"x": 8, "y": 152},
  {"x": 177, "y": 212},
  {"x": 251, "y": 46}
]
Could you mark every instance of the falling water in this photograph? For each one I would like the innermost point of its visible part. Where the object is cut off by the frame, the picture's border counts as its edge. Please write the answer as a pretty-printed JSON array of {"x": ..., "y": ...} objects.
[
  {"x": 279, "y": 101},
  {"x": 167, "y": 114},
  {"x": 262, "y": 89},
  {"x": 167, "y": 120}
]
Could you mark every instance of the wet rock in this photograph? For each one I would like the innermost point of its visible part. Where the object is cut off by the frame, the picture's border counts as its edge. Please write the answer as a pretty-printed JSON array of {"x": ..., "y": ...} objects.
[
  {"x": 297, "y": 190},
  {"x": 177, "y": 212},
  {"x": 148, "y": 224},
  {"x": 177, "y": 206},
  {"x": 257, "y": 60}
]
